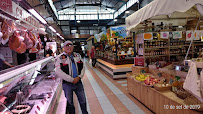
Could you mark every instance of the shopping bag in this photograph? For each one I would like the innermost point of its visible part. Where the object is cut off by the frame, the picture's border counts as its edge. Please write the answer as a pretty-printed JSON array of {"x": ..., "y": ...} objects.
[
  {"x": 90, "y": 61},
  {"x": 192, "y": 82}
]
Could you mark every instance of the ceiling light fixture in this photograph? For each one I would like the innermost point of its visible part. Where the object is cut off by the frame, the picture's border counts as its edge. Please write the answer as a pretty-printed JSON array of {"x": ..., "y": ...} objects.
[
  {"x": 127, "y": 12},
  {"x": 78, "y": 21},
  {"x": 52, "y": 28},
  {"x": 58, "y": 34},
  {"x": 37, "y": 16},
  {"x": 43, "y": 29},
  {"x": 115, "y": 20}
]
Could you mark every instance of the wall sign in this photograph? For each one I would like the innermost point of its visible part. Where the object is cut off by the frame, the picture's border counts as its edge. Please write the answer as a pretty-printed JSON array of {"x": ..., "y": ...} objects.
[
  {"x": 6, "y": 5},
  {"x": 119, "y": 32},
  {"x": 20, "y": 13}
]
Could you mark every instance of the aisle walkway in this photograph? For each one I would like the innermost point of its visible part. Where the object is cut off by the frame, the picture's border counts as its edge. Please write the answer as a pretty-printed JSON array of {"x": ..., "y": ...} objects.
[{"x": 105, "y": 95}]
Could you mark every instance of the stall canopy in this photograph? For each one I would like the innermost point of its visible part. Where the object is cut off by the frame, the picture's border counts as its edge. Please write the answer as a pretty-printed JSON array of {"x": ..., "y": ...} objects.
[{"x": 166, "y": 10}]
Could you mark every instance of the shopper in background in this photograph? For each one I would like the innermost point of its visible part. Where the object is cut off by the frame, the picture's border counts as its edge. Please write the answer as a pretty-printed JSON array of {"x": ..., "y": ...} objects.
[
  {"x": 70, "y": 68},
  {"x": 93, "y": 56},
  {"x": 50, "y": 51},
  {"x": 3, "y": 60}
]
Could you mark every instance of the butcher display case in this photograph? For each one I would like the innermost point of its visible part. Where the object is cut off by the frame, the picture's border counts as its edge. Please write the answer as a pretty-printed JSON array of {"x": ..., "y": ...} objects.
[{"x": 29, "y": 88}]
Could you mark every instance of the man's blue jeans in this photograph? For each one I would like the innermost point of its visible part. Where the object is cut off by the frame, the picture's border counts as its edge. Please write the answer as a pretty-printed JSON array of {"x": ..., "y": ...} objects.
[{"x": 69, "y": 88}]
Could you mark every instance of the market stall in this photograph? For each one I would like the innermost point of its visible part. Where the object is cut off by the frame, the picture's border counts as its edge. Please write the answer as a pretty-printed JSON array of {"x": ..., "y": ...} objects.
[
  {"x": 167, "y": 32},
  {"x": 115, "y": 52}
]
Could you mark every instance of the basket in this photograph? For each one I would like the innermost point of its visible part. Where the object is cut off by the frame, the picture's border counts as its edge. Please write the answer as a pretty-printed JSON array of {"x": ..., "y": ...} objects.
[
  {"x": 160, "y": 88},
  {"x": 182, "y": 94}
]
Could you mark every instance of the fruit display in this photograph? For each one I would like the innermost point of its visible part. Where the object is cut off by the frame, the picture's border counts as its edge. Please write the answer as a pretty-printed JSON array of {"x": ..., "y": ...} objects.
[
  {"x": 151, "y": 81},
  {"x": 141, "y": 77}
]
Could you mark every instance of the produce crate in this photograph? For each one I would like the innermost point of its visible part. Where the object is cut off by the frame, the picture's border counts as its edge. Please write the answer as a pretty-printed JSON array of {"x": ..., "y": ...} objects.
[
  {"x": 162, "y": 88},
  {"x": 139, "y": 69},
  {"x": 181, "y": 74}
]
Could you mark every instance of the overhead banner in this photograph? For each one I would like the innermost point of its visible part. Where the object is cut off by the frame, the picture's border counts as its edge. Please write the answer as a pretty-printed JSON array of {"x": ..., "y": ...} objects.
[
  {"x": 119, "y": 32},
  {"x": 6, "y": 5}
]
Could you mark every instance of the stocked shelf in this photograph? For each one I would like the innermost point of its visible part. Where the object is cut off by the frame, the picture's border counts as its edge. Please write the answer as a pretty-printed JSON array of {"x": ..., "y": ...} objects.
[
  {"x": 156, "y": 56},
  {"x": 153, "y": 48},
  {"x": 178, "y": 46}
]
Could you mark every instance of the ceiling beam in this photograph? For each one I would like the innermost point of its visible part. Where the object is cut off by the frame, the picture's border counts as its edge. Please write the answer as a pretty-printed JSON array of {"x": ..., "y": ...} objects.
[
  {"x": 86, "y": 5},
  {"x": 59, "y": 1},
  {"x": 38, "y": 5}
]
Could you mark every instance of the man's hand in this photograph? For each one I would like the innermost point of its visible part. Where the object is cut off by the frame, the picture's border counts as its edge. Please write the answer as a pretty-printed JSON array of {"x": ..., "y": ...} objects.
[{"x": 76, "y": 80}]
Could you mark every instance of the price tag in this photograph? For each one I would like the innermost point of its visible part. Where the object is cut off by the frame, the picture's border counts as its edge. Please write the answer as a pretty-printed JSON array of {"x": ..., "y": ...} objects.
[{"x": 38, "y": 107}]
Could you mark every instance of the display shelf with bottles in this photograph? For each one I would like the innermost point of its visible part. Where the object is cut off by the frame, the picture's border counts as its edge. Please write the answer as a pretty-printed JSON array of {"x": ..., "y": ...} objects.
[
  {"x": 156, "y": 49},
  {"x": 152, "y": 49}
]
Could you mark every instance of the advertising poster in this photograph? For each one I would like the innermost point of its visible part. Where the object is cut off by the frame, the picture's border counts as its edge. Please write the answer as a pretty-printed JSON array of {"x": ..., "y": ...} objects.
[
  {"x": 189, "y": 35},
  {"x": 164, "y": 35},
  {"x": 193, "y": 34},
  {"x": 148, "y": 36},
  {"x": 53, "y": 44},
  {"x": 177, "y": 34},
  {"x": 197, "y": 34},
  {"x": 119, "y": 32}
]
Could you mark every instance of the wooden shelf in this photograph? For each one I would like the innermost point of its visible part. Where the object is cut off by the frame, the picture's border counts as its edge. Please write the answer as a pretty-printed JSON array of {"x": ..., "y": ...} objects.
[
  {"x": 179, "y": 46},
  {"x": 179, "y": 54},
  {"x": 198, "y": 44},
  {"x": 156, "y": 56},
  {"x": 154, "y": 48}
]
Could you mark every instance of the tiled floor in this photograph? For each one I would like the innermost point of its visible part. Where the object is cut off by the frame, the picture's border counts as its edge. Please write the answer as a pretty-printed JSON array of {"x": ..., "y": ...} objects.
[{"x": 104, "y": 95}]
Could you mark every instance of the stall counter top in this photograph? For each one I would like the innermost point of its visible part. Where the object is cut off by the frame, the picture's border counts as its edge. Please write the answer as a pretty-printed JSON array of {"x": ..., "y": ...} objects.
[{"x": 115, "y": 66}]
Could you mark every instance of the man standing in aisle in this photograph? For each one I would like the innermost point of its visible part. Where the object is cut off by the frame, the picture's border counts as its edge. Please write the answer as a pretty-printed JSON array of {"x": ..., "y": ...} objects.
[
  {"x": 93, "y": 56},
  {"x": 71, "y": 69}
]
